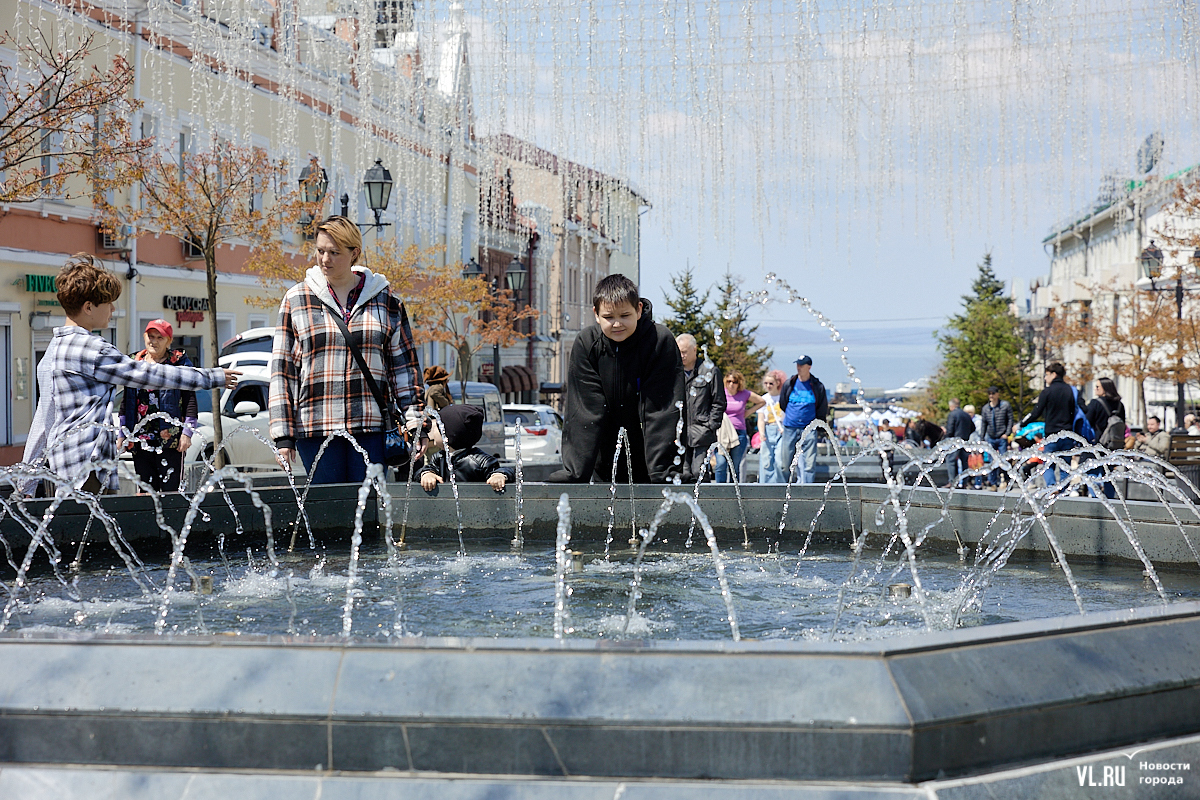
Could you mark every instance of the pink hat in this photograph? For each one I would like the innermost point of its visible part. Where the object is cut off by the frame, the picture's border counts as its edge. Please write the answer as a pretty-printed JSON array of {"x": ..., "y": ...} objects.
[{"x": 162, "y": 326}]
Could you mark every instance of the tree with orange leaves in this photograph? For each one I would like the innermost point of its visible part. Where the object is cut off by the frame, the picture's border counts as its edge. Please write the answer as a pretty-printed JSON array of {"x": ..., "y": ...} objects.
[
  {"x": 1131, "y": 333},
  {"x": 443, "y": 306},
  {"x": 62, "y": 117},
  {"x": 225, "y": 195}
]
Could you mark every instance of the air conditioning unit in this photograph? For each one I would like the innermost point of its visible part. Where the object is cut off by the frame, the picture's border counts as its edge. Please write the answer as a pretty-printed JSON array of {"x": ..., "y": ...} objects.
[
  {"x": 116, "y": 241},
  {"x": 191, "y": 250}
]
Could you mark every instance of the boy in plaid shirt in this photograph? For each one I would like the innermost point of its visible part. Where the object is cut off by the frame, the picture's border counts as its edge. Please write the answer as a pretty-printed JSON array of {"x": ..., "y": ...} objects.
[{"x": 78, "y": 377}]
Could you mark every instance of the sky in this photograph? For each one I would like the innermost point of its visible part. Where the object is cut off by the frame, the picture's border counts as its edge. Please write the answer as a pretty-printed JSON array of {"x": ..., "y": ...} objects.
[
  {"x": 887, "y": 297},
  {"x": 868, "y": 153}
]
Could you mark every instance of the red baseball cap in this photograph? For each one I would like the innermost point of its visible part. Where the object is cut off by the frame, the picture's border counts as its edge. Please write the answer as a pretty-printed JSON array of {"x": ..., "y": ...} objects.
[{"x": 162, "y": 326}]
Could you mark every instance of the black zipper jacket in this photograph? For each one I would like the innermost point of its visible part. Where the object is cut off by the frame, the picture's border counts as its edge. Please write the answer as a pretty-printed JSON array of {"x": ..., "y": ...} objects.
[
  {"x": 635, "y": 384},
  {"x": 471, "y": 465}
]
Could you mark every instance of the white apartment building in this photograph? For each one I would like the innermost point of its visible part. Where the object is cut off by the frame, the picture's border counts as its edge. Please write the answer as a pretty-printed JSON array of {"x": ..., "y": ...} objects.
[{"x": 1095, "y": 265}]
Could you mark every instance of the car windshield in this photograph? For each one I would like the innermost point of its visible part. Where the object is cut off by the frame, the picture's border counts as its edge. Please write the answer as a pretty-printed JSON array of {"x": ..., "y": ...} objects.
[
  {"x": 259, "y": 344},
  {"x": 527, "y": 418}
]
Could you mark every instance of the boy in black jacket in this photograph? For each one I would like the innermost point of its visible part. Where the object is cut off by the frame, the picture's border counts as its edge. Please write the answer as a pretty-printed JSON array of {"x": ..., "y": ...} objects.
[
  {"x": 464, "y": 426},
  {"x": 625, "y": 372}
]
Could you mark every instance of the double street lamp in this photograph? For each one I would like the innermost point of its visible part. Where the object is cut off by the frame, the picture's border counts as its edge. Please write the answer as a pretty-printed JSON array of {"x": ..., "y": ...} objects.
[
  {"x": 514, "y": 279},
  {"x": 1151, "y": 263},
  {"x": 377, "y": 182}
]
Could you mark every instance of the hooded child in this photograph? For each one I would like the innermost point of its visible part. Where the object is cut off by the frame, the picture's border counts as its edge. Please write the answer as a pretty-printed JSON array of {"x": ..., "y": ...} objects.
[{"x": 464, "y": 426}]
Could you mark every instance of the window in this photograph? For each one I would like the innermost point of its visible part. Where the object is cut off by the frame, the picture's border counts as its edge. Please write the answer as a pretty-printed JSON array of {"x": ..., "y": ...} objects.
[
  {"x": 192, "y": 251},
  {"x": 249, "y": 391}
]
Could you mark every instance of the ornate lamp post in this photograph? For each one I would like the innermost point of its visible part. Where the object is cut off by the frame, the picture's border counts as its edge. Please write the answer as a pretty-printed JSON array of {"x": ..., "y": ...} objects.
[
  {"x": 1150, "y": 261},
  {"x": 378, "y": 185},
  {"x": 314, "y": 182}
]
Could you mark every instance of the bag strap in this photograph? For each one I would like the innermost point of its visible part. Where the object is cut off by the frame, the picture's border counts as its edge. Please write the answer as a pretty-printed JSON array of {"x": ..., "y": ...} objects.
[{"x": 384, "y": 407}]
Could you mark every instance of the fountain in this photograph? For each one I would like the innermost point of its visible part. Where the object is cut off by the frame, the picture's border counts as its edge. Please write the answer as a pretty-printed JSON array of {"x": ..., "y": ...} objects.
[{"x": 928, "y": 632}]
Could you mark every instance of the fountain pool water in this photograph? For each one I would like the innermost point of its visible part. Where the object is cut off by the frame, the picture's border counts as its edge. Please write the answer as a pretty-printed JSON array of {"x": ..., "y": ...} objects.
[{"x": 430, "y": 590}]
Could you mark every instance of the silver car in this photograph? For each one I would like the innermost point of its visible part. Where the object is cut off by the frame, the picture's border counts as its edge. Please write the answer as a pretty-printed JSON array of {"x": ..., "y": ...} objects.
[
  {"x": 540, "y": 430},
  {"x": 245, "y": 422}
]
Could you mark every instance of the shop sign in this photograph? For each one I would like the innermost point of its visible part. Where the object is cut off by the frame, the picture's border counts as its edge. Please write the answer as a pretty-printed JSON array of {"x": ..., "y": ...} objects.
[
  {"x": 41, "y": 283},
  {"x": 180, "y": 303},
  {"x": 189, "y": 316}
]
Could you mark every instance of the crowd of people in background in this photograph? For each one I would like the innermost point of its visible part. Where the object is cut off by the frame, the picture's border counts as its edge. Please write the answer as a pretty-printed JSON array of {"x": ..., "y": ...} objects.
[{"x": 345, "y": 378}]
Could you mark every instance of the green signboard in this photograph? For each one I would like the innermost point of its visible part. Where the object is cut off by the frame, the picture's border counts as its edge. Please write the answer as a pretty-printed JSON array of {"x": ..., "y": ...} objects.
[{"x": 41, "y": 283}]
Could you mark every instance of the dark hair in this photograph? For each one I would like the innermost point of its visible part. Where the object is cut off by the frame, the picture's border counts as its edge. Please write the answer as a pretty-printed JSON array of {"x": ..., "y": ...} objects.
[
  {"x": 1057, "y": 368},
  {"x": 80, "y": 281},
  {"x": 1155, "y": 418},
  {"x": 615, "y": 290},
  {"x": 1110, "y": 389},
  {"x": 993, "y": 390}
]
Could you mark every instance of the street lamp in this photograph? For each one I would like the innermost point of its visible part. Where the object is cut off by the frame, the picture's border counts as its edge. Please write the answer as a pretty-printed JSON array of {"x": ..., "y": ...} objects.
[
  {"x": 515, "y": 275},
  {"x": 472, "y": 270},
  {"x": 314, "y": 182},
  {"x": 378, "y": 184},
  {"x": 1151, "y": 260}
]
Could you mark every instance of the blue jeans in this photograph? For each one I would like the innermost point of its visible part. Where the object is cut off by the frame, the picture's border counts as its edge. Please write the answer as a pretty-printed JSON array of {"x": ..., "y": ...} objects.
[
  {"x": 721, "y": 473},
  {"x": 1001, "y": 446},
  {"x": 340, "y": 463},
  {"x": 808, "y": 454},
  {"x": 770, "y": 455},
  {"x": 1057, "y": 447}
]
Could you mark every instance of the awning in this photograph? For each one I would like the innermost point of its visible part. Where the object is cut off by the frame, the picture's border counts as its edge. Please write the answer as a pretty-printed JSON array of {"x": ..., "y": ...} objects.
[{"x": 517, "y": 378}]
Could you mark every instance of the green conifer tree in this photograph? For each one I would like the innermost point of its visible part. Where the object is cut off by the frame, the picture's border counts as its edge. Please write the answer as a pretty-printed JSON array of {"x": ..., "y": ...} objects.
[
  {"x": 735, "y": 347},
  {"x": 982, "y": 347},
  {"x": 688, "y": 304}
]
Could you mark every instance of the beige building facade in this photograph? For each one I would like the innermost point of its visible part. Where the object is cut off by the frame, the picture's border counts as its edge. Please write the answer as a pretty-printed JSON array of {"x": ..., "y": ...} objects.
[
  {"x": 587, "y": 226},
  {"x": 1095, "y": 265},
  {"x": 266, "y": 75}
]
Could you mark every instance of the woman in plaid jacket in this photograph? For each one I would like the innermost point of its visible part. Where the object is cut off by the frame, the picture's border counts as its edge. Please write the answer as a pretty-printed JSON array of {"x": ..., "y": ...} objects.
[{"x": 317, "y": 387}]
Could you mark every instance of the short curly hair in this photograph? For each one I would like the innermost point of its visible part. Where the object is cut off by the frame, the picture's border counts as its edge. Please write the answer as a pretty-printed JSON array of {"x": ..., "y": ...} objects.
[{"x": 81, "y": 281}]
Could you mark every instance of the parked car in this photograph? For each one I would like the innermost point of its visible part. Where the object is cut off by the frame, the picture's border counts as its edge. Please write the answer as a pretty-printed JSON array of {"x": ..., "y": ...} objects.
[
  {"x": 540, "y": 430},
  {"x": 487, "y": 396},
  {"x": 242, "y": 407},
  {"x": 250, "y": 348}
]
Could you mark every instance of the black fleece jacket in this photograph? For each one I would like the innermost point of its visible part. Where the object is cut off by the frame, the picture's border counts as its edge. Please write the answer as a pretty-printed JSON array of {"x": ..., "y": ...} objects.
[
  {"x": 634, "y": 384},
  {"x": 1056, "y": 405},
  {"x": 471, "y": 465}
]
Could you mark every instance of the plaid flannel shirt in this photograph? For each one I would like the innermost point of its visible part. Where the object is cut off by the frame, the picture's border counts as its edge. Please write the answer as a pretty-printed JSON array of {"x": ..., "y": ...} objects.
[
  {"x": 316, "y": 385},
  {"x": 77, "y": 378}
]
